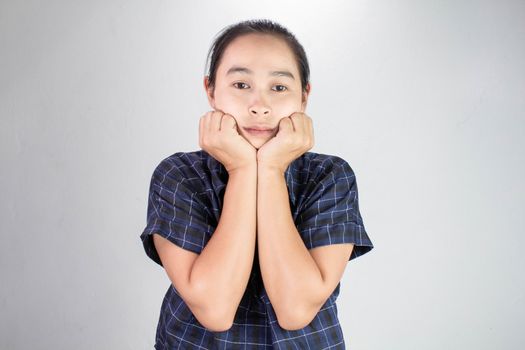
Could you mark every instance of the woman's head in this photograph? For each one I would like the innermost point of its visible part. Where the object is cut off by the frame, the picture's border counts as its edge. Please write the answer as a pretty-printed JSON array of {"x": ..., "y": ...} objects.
[{"x": 259, "y": 74}]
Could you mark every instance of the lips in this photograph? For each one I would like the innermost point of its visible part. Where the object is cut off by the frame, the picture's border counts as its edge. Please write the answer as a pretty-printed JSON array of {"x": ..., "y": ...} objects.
[
  {"x": 259, "y": 128},
  {"x": 259, "y": 131}
]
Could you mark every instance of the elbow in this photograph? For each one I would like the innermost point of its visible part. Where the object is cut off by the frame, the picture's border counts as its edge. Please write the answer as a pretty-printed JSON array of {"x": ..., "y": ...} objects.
[
  {"x": 217, "y": 326},
  {"x": 213, "y": 317},
  {"x": 211, "y": 313},
  {"x": 294, "y": 313},
  {"x": 294, "y": 319},
  {"x": 214, "y": 321}
]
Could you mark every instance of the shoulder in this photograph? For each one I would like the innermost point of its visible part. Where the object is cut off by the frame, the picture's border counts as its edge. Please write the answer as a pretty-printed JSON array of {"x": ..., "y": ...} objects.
[
  {"x": 323, "y": 167},
  {"x": 186, "y": 165},
  {"x": 194, "y": 171}
]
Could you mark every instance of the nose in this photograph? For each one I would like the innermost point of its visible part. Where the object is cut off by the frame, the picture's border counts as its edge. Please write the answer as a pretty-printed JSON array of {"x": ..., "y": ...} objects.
[
  {"x": 259, "y": 111},
  {"x": 260, "y": 108}
]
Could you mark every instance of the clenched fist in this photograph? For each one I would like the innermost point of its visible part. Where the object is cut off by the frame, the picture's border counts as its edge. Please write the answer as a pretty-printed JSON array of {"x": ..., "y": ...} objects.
[{"x": 219, "y": 137}]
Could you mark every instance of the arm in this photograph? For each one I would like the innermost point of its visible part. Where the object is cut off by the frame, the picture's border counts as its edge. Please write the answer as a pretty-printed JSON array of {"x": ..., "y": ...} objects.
[
  {"x": 213, "y": 282},
  {"x": 291, "y": 277},
  {"x": 221, "y": 272},
  {"x": 298, "y": 281}
]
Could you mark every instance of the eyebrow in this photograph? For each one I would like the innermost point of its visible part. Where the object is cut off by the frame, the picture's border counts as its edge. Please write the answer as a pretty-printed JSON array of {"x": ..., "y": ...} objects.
[{"x": 237, "y": 69}]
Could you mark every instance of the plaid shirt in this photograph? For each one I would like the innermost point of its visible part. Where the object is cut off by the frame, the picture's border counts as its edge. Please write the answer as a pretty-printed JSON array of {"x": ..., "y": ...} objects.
[{"x": 184, "y": 206}]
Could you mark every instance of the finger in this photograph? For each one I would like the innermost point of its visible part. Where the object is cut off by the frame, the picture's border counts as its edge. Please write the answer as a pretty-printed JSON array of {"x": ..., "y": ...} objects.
[
  {"x": 228, "y": 122},
  {"x": 301, "y": 127},
  {"x": 291, "y": 127},
  {"x": 216, "y": 120},
  {"x": 207, "y": 122},
  {"x": 306, "y": 126},
  {"x": 311, "y": 130},
  {"x": 299, "y": 120},
  {"x": 286, "y": 125}
]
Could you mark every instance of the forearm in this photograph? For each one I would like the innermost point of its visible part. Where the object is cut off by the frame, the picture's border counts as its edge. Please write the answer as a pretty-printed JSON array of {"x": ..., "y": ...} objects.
[
  {"x": 223, "y": 268},
  {"x": 288, "y": 270}
]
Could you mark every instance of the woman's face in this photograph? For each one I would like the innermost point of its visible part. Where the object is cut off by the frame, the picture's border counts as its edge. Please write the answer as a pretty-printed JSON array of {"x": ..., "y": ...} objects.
[{"x": 258, "y": 83}]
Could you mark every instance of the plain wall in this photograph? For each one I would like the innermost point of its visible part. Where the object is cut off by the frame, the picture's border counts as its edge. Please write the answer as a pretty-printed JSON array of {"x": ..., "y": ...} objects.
[{"x": 424, "y": 99}]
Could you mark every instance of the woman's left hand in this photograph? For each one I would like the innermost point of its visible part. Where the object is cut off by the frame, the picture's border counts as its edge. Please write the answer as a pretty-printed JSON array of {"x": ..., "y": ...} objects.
[{"x": 294, "y": 137}]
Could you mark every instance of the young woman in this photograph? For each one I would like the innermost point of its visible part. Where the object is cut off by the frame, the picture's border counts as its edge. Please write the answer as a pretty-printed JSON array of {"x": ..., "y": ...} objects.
[{"x": 254, "y": 231}]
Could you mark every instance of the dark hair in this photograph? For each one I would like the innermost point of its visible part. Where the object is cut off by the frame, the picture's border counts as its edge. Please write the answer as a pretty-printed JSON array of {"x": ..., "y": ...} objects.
[{"x": 262, "y": 26}]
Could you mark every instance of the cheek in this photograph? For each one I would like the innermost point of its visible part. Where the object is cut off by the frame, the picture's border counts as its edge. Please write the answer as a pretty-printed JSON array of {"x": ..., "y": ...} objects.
[
  {"x": 229, "y": 102},
  {"x": 237, "y": 103},
  {"x": 284, "y": 111},
  {"x": 286, "y": 106}
]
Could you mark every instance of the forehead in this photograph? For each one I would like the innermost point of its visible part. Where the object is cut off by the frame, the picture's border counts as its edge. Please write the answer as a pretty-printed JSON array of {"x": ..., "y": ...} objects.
[{"x": 258, "y": 52}]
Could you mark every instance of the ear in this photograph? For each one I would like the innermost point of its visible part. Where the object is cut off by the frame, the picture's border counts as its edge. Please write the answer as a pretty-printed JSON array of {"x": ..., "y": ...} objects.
[
  {"x": 305, "y": 97},
  {"x": 209, "y": 91}
]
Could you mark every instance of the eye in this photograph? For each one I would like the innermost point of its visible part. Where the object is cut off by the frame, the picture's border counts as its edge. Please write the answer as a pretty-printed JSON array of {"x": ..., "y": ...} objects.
[
  {"x": 235, "y": 84},
  {"x": 284, "y": 88}
]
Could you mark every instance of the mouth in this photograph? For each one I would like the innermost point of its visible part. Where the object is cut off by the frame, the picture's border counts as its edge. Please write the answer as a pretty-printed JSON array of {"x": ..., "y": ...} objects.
[{"x": 259, "y": 132}]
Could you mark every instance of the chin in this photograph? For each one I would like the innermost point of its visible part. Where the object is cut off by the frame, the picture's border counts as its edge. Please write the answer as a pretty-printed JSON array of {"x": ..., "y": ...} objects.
[{"x": 258, "y": 144}]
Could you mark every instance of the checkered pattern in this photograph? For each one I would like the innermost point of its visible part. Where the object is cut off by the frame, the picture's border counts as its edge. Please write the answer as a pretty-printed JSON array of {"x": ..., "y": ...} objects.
[{"x": 184, "y": 206}]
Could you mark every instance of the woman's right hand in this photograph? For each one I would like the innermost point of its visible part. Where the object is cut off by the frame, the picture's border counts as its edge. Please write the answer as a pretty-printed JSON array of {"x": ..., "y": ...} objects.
[{"x": 219, "y": 137}]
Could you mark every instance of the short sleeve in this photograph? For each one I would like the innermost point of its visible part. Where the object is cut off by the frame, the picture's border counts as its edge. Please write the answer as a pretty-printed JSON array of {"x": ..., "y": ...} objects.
[
  {"x": 330, "y": 214},
  {"x": 175, "y": 212}
]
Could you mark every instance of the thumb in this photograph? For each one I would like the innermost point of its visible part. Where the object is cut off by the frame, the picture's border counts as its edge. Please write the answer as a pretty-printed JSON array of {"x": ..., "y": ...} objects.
[
  {"x": 228, "y": 122},
  {"x": 286, "y": 125}
]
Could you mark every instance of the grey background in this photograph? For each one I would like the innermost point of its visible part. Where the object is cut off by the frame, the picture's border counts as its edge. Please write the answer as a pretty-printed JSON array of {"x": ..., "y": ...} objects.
[{"x": 424, "y": 99}]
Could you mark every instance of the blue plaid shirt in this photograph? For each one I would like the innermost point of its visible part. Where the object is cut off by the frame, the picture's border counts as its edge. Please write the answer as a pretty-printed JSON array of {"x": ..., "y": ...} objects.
[{"x": 184, "y": 205}]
